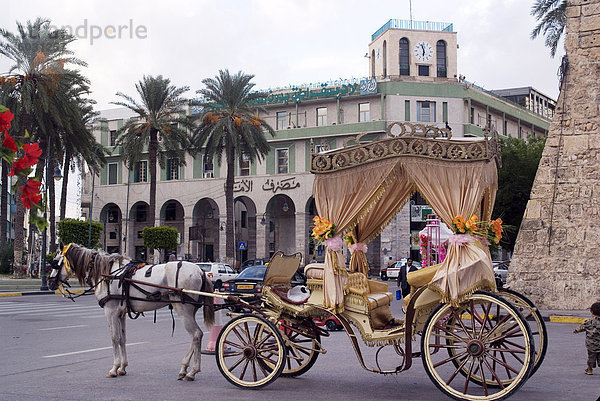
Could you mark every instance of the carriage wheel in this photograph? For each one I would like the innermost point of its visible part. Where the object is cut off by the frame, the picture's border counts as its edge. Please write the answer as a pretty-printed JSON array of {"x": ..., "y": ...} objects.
[
  {"x": 304, "y": 349},
  {"x": 487, "y": 340},
  {"x": 531, "y": 313},
  {"x": 540, "y": 335},
  {"x": 256, "y": 354}
]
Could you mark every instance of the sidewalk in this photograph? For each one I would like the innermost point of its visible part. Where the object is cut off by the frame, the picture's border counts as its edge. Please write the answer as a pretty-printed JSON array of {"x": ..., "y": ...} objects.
[{"x": 10, "y": 287}]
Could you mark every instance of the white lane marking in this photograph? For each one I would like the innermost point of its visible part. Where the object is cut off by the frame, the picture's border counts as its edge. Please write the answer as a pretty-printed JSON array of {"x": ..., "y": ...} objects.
[
  {"x": 63, "y": 327},
  {"x": 88, "y": 350}
]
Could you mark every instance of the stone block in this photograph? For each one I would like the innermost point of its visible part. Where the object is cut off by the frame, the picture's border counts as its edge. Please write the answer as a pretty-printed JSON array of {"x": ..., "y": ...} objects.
[
  {"x": 573, "y": 12},
  {"x": 586, "y": 9},
  {"x": 575, "y": 143},
  {"x": 587, "y": 41}
]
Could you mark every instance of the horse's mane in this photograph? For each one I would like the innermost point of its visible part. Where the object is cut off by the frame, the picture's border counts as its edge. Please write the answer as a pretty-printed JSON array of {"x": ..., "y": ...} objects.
[{"x": 89, "y": 265}]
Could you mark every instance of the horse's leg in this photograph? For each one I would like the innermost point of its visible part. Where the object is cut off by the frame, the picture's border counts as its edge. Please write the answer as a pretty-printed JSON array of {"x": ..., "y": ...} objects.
[
  {"x": 123, "y": 340},
  {"x": 111, "y": 311},
  {"x": 186, "y": 362},
  {"x": 187, "y": 314}
]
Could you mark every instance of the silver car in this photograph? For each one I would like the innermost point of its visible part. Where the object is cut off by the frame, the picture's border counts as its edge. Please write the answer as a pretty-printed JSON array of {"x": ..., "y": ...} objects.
[{"x": 501, "y": 270}]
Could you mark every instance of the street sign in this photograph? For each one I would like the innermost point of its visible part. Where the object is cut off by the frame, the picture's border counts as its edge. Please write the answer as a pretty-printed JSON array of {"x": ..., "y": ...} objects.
[{"x": 241, "y": 246}]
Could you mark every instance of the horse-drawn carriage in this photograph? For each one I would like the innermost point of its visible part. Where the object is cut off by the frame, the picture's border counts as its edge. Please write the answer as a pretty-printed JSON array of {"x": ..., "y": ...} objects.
[{"x": 477, "y": 342}]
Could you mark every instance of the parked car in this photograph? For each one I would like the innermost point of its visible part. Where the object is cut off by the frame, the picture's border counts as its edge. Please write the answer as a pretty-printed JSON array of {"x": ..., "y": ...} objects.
[
  {"x": 218, "y": 273},
  {"x": 331, "y": 323},
  {"x": 250, "y": 281},
  {"x": 501, "y": 270},
  {"x": 393, "y": 271},
  {"x": 254, "y": 262}
]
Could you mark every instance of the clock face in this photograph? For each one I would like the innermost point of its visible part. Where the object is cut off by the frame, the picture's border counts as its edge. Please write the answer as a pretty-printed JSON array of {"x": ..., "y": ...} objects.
[{"x": 423, "y": 51}]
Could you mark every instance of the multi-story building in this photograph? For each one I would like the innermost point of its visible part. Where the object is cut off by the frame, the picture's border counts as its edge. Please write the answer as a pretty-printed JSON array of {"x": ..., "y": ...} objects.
[{"x": 413, "y": 77}]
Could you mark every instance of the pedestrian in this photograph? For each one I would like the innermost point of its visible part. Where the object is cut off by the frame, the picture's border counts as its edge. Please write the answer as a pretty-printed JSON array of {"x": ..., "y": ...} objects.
[
  {"x": 402, "y": 277},
  {"x": 390, "y": 262},
  {"x": 592, "y": 337},
  {"x": 172, "y": 257}
]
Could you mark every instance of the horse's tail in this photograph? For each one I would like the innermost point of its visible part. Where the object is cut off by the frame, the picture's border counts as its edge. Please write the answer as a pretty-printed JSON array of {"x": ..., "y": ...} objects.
[{"x": 209, "y": 308}]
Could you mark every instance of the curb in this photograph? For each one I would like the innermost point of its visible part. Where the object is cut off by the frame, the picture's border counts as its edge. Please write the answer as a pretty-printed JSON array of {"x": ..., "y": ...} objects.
[
  {"x": 566, "y": 319},
  {"x": 18, "y": 294}
]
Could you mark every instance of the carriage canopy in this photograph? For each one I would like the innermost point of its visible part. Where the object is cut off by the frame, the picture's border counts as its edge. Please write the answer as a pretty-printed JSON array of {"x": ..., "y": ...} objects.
[{"x": 361, "y": 187}]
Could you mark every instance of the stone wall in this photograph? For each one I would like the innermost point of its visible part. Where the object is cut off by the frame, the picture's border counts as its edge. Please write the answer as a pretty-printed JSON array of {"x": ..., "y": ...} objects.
[{"x": 556, "y": 261}]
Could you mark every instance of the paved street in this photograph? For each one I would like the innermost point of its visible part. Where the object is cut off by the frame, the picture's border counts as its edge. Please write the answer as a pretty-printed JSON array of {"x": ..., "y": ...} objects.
[{"x": 54, "y": 349}]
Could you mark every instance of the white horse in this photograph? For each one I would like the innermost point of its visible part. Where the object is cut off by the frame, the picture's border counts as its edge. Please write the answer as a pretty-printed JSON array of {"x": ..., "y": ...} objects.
[{"x": 95, "y": 269}]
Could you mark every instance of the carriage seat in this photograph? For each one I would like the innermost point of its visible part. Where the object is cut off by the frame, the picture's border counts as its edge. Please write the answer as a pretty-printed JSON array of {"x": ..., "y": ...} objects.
[{"x": 362, "y": 295}]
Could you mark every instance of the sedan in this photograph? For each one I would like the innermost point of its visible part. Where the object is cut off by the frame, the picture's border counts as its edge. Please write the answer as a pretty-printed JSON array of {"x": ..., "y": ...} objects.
[
  {"x": 501, "y": 270},
  {"x": 250, "y": 281}
]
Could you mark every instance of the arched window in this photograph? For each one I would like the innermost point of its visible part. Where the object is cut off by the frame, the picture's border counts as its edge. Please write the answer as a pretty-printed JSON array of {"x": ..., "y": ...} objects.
[
  {"x": 384, "y": 59},
  {"x": 373, "y": 64},
  {"x": 442, "y": 70},
  {"x": 404, "y": 57}
]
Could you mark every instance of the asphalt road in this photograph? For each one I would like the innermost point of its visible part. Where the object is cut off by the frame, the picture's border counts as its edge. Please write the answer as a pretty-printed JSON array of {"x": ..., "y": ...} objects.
[{"x": 53, "y": 349}]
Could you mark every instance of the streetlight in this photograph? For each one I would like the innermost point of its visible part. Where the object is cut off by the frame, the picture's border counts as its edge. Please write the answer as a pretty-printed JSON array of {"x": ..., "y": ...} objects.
[
  {"x": 91, "y": 203},
  {"x": 57, "y": 176}
]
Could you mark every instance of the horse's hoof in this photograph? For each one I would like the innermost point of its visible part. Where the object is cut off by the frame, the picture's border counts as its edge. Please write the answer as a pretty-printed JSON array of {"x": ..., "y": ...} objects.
[
  {"x": 111, "y": 375},
  {"x": 181, "y": 376},
  {"x": 121, "y": 372},
  {"x": 188, "y": 378}
]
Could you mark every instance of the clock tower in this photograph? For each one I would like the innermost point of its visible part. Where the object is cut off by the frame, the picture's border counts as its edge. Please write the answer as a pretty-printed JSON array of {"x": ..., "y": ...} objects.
[{"x": 413, "y": 50}]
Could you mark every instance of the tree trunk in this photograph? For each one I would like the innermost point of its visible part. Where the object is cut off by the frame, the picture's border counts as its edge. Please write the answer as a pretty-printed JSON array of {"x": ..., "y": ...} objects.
[
  {"x": 229, "y": 230},
  {"x": 19, "y": 243},
  {"x": 152, "y": 155},
  {"x": 65, "y": 183},
  {"x": 4, "y": 204},
  {"x": 52, "y": 203}
]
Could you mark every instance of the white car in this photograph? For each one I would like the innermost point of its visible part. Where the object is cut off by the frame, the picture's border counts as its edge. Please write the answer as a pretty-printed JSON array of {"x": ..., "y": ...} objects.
[
  {"x": 218, "y": 273},
  {"x": 393, "y": 271},
  {"x": 501, "y": 270}
]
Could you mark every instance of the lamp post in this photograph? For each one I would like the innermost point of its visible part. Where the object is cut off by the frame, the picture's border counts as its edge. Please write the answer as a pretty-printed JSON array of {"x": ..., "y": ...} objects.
[
  {"x": 57, "y": 176},
  {"x": 91, "y": 207}
]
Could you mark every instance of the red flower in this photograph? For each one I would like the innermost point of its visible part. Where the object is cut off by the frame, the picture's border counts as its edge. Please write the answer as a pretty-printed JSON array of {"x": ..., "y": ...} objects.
[
  {"x": 9, "y": 142},
  {"x": 30, "y": 193},
  {"x": 5, "y": 119},
  {"x": 18, "y": 166},
  {"x": 32, "y": 153}
]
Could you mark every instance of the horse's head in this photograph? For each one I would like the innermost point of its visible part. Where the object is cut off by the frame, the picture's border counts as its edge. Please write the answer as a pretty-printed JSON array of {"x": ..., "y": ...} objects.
[{"x": 60, "y": 271}]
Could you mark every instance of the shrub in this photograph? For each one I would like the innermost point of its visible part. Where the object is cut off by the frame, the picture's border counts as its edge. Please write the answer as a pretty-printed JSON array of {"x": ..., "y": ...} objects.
[
  {"x": 77, "y": 232},
  {"x": 6, "y": 258}
]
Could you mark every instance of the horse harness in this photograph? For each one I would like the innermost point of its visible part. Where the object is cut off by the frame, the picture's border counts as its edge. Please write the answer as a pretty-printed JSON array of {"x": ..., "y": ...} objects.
[{"x": 125, "y": 277}]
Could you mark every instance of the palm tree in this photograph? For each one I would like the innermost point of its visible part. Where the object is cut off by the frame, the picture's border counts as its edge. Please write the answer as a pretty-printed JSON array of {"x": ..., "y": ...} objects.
[
  {"x": 161, "y": 113},
  {"x": 230, "y": 126},
  {"x": 39, "y": 54},
  {"x": 552, "y": 18}
]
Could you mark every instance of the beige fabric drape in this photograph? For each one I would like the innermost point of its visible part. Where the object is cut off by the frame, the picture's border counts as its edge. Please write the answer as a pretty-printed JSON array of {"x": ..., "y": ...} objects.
[
  {"x": 397, "y": 193},
  {"x": 452, "y": 190},
  {"x": 343, "y": 198}
]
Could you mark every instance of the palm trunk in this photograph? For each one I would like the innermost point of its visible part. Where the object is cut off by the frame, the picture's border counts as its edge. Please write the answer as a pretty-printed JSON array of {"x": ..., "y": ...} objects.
[
  {"x": 229, "y": 232},
  {"x": 52, "y": 204},
  {"x": 4, "y": 204},
  {"x": 19, "y": 243},
  {"x": 152, "y": 155},
  {"x": 65, "y": 183}
]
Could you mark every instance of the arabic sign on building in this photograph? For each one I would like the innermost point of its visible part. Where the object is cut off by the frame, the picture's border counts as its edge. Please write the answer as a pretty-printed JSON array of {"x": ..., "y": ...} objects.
[
  {"x": 270, "y": 184},
  {"x": 334, "y": 89},
  {"x": 368, "y": 86}
]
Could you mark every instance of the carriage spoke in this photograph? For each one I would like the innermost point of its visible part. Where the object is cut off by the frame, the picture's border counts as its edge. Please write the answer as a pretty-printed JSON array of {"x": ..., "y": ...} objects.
[
  {"x": 485, "y": 319},
  {"x": 453, "y": 335},
  {"x": 237, "y": 333},
  {"x": 247, "y": 361},
  {"x": 468, "y": 376},
  {"x": 505, "y": 364},
  {"x": 485, "y": 389},
  {"x": 230, "y": 354},
  {"x": 460, "y": 322},
  {"x": 458, "y": 369},
  {"x": 237, "y": 363},
  {"x": 457, "y": 356},
  {"x": 493, "y": 371},
  {"x": 228, "y": 342}
]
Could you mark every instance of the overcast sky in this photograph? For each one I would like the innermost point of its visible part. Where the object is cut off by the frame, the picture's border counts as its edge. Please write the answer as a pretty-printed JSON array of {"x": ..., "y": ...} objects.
[{"x": 282, "y": 42}]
